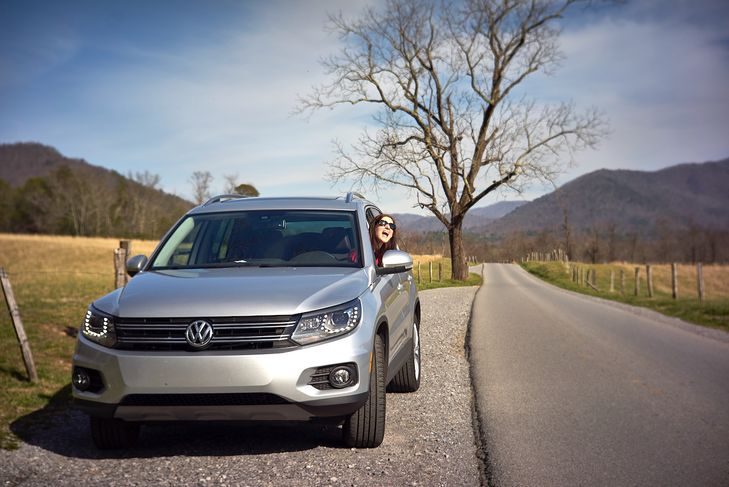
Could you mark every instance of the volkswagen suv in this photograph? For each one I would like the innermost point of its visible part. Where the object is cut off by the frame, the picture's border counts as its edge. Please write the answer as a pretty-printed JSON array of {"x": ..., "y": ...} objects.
[{"x": 254, "y": 309}]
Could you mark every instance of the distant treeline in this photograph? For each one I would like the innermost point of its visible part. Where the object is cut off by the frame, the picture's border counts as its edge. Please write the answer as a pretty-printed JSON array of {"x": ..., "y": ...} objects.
[
  {"x": 598, "y": 244},
  {"x": 85, "y": 202}
]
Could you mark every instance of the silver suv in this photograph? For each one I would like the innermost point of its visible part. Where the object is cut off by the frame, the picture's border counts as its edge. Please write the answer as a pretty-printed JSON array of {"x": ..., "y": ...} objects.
[{"x": 254, "y": 309}]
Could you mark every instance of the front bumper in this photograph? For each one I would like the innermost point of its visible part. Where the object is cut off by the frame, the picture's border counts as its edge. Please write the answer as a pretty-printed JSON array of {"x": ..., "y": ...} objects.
[{"x": 217, "y": 385}]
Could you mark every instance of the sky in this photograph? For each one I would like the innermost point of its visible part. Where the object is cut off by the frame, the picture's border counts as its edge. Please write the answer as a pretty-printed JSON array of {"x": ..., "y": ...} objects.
[{"x": 177, "y": 87}]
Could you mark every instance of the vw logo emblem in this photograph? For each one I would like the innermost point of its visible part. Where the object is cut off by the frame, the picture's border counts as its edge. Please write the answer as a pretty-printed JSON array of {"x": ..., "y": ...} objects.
[{"x": 198, "y": 334}]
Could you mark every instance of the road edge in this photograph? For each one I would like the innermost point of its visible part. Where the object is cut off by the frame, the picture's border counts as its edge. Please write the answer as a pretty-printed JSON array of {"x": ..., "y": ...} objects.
[{"x": 482, "y": 452}]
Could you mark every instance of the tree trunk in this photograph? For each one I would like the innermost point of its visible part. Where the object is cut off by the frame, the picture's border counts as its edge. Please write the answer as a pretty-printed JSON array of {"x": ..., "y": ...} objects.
[{"x": 458, "y": 255}]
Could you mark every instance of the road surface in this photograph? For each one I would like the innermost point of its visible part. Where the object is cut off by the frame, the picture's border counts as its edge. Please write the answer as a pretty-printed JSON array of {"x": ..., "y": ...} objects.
[{"x": 571, "y": 390}]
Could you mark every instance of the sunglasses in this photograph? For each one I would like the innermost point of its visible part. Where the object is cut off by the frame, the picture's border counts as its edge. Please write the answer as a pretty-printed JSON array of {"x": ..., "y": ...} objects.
[{"x": 383, "y": 223}]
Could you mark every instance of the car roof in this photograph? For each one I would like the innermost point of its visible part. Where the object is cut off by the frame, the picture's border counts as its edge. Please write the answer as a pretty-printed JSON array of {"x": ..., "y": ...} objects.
[{"x": 224, "y": 203}]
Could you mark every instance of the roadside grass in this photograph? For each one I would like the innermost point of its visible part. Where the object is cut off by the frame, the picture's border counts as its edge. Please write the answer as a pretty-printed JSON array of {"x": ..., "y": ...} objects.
[
  {"x": 713, "y": 312},
  {"x": 54, "y": 278},
  {"x": 442, "y": 273}
]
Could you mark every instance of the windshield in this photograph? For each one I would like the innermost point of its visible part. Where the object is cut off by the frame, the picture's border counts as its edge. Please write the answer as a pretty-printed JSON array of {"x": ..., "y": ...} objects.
[{"x": 262, "y": 238}]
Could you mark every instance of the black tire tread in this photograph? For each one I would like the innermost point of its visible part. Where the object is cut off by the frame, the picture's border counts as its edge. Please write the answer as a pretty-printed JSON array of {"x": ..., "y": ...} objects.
[
  {"x": 366, "y": 427},
  {"x": 405, "y": 379}
]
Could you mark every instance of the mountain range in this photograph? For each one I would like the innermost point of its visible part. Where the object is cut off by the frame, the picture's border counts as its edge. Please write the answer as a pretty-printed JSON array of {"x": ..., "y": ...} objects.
[
  {"x": 694, "y": 194},
  {"x": 476, "y": 218},
  {"x": 632, "y": 201}
]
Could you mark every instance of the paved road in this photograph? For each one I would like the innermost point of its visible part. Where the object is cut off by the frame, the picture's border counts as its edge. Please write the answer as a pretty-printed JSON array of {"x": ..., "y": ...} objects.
[{"x": 574, "y": 391}]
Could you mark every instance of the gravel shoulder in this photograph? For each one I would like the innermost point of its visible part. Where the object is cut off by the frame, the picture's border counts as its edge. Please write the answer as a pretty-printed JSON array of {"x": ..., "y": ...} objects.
[{"x": 429, "y": 438}]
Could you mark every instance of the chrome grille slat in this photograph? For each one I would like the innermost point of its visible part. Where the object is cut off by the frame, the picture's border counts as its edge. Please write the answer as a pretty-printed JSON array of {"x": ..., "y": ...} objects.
[
  {"x": 151, "y": 327},
  {"x": 254, "y": 325},
  {"x": 276, "y": 338},
  {"x": 150, "y": 339}
]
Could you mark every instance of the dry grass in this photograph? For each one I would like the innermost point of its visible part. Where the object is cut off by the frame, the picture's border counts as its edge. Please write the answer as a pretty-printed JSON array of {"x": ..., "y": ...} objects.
[
  {"x": 51, "y": 253},
  {"x": 54, "y": 278},
  {"x": 442, "y": 273},
  {"x": 425, "y": 258},
  {"x": 716, "y": 278}
]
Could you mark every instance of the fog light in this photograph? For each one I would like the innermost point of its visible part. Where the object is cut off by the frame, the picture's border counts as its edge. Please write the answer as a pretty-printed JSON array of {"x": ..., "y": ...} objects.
[
  {"x": 342, "y": 376},
  {"x": 81, "y": 379}
]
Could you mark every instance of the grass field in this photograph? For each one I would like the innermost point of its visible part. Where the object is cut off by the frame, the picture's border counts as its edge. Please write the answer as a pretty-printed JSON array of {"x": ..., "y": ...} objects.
[
  {"x": 713, "y": 312},
  {"x": 54, "y": 279},
  {"x": 442, "y": 273}
]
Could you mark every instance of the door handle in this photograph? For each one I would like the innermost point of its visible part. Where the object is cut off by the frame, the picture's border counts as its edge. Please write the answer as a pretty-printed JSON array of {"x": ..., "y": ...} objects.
[{"x": 400, "y": 287}]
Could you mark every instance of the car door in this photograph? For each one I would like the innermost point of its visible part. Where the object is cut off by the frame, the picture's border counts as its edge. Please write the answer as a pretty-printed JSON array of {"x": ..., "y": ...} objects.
[
  {"x": 401, "y": 329},
  {"x": 391, "y": 290}
]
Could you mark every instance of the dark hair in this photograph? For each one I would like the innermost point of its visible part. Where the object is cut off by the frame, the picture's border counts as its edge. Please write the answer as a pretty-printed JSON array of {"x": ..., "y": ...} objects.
[{"x": 391, "y": 244}]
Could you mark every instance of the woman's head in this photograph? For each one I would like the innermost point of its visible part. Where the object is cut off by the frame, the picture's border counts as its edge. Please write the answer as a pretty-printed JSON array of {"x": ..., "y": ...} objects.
[{"x": 383, "y": 233}]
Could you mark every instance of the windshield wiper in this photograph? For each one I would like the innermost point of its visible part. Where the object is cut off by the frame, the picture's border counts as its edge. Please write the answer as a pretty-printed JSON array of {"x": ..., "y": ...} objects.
[{"x": 220, "y": 265}]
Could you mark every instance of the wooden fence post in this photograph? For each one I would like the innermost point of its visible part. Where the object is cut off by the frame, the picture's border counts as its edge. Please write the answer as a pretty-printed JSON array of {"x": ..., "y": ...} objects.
[
  {"x": 440, "y": 271},
  {"x": 119, "y": 268},
  {"x": 121, "y": 278},
  {"x": 430, "y": 270},
  {"x": 418, "y": 272},
  {"x": 700, "y": 280},
  {"x": 674, "y": 281},
  {"x": 637, "y": 280},
  {"x": 622, "y": 281},
  {"x": 18, "y": 326},
  {"x": 612, "y": 280},
  {"x": 649, "y": 279}
]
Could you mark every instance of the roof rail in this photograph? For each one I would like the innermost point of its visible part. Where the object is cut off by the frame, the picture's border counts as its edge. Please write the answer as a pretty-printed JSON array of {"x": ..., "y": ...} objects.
[
  {"x": 352, "y": 195},
  {"x": 222, "y": 197}
]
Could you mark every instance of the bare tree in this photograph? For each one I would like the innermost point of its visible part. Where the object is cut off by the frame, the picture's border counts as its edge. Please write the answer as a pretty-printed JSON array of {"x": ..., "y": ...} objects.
[
  {"x": 593, "y": 244},
  {"x": 231, "y": 181},
  {"x": 201, "y": 181},
  {"x": 452, "y": 126},
  {"x": 137, "y": 201},
  {"x": 611, "y": 229},
  {"x": 146, "y": 179}
]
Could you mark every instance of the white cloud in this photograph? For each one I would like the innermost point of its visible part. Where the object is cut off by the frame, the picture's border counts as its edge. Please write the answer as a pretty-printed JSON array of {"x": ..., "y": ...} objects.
[
  {"x": 223, "y": 105},
  {"x": 659, "y": 78}
]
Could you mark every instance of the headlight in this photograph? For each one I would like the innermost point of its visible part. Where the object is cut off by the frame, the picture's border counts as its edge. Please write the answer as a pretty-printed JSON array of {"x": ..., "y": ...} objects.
[
  {"x": 328, "y": 323},
  {"x": 99, "y": 327}
]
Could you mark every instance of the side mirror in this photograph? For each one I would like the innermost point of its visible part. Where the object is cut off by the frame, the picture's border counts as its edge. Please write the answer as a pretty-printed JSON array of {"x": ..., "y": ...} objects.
[
  {"x": 136, "y": 264},
  {"x": 395, "y": 261}
]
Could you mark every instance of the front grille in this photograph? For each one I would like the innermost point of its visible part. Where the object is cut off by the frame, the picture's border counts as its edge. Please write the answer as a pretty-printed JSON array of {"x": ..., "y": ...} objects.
[
  {"x": 230, "y": 333},
  {"x": 225, "y": 399}
]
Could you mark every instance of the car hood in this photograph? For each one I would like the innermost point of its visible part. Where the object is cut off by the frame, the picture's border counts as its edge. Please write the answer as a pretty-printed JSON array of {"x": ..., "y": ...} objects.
[{"x": 241, "y": 291}]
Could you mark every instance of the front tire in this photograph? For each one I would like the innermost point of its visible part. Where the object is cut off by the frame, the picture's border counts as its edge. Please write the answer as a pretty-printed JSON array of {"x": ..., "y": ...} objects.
[
  {"x": 112, "y": 433},
  {"x": 366, "y": 427},
  {"x": 407, "y": 378}
]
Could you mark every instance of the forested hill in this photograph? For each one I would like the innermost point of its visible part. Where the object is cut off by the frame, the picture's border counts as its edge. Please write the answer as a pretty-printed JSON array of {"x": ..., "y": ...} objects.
[
  {"x": 42, "y": 191},
  {"x": 630, "y": 201},
  {"x": 22, "y": 161}
]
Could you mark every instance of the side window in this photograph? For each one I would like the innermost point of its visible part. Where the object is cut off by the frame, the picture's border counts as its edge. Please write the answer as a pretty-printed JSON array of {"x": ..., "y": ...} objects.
[{"x": 371, "y": 213}]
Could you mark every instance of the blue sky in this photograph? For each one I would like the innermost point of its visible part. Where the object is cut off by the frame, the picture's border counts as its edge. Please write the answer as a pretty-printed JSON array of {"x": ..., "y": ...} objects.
[{"x": 175, "y": 87}]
